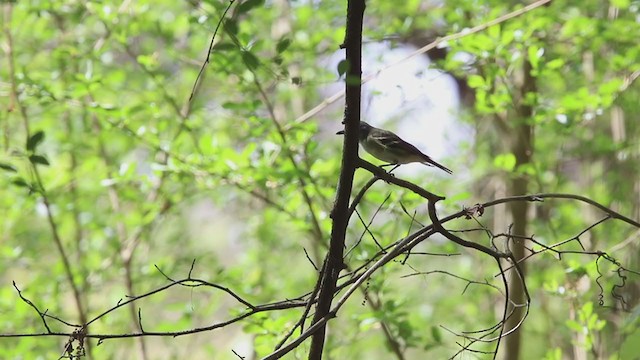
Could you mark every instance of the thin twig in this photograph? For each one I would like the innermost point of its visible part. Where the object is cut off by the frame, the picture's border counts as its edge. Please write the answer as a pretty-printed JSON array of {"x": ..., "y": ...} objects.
[{"x": 206, "y": 61}]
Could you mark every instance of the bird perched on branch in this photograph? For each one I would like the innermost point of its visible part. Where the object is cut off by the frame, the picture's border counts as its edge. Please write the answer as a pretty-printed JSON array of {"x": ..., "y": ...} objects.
[{"x": 389, "y": 147}]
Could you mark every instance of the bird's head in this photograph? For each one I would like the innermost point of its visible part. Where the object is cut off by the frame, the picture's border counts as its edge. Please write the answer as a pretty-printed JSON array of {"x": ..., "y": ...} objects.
[{"x": 364, "y": 130}]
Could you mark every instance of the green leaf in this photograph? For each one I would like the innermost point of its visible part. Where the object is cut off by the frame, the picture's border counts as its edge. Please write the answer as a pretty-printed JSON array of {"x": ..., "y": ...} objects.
[
  {"x": 574, "y": 325},
  {"x": 610, "y": 87},
  {"x": 20, "y": 182},
  {"x": 224, "y": 46},
  {"x": 507, "y": 37},
  {"x": 38, "y": 159},
  {"x": 282, "y": 45},
  {"x": 150, "y": 62},
  {"x": 505, "y": 161},
  {"x": 35, "y": 140},
  {"x": 553, "y": 354},
  {"x": 343, "y": 67},
  {"x": 250, "y": 60},
  {"x": 555, "y": 64},
  {"x": 231, "y": 27},
  {"x": 535, "y": 54},
  {"x": 437, "y": 335},
  {"x": 8, "y": 167},
  {"x": 475, "y": 81},
  {"x": 248, "y": 5}
]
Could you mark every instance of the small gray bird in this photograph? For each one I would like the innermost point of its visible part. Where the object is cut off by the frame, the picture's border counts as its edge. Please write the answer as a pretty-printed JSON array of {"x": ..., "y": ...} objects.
[{"x": 389, "y": 147}]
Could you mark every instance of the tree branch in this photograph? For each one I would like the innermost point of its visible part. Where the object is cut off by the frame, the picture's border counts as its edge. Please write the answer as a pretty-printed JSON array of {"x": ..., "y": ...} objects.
[{"x": 339, "y": 214}]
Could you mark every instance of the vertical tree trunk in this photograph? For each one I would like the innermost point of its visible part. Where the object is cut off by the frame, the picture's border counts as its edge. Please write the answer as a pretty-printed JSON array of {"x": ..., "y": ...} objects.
[
  {"x": 339, "y": 214},
  {"x": 522, "y": 149}
]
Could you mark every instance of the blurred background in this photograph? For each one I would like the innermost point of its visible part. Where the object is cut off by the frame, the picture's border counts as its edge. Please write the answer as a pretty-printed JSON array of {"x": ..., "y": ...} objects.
[{"x": 108, "y": 170}]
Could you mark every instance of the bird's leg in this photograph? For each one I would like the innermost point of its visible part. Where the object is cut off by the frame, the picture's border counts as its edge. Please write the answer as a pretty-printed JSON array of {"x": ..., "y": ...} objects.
[{"x": 393, "y": 168}]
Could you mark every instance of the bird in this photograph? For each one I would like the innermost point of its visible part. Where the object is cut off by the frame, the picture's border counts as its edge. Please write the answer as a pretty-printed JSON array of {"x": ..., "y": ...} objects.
[{"x": 387, "y": 146}]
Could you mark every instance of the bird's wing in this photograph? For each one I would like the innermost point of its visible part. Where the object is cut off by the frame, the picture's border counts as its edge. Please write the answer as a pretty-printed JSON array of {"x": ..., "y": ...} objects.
[{"x": 396, "y": 145}]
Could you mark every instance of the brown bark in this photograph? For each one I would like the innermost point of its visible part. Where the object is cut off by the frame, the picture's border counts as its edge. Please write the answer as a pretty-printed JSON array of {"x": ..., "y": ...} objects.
[
  {"x": 522, "y": 148},
  {"x": 339, "y": 214}
]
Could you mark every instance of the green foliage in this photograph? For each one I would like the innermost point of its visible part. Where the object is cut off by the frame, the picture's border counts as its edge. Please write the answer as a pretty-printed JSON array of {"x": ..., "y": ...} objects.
[
  {"x": 132, "y": 175},
  {"x": 343, "y": 67},
  {"x": 34, "y": 141},
  {"x": 587, "y": 324}
]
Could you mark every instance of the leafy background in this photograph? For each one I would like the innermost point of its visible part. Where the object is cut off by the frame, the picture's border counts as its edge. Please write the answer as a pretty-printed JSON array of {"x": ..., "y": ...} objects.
[{"x": 98, "y": 131}]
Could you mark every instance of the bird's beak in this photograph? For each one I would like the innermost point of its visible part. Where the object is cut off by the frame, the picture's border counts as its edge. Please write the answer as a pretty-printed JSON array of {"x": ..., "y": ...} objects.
[{"x": 341, "y": 132}]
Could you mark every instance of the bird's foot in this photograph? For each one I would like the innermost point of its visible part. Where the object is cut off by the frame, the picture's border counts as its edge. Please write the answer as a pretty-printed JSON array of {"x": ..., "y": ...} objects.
[{"x": 395, "y": 166}]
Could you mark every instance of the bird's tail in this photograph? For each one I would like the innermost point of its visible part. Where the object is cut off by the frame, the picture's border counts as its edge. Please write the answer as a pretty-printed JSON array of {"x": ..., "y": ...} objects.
[{"x": 430, "y": 162}]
